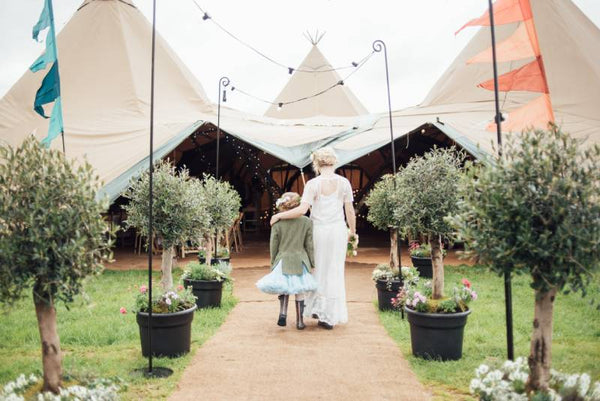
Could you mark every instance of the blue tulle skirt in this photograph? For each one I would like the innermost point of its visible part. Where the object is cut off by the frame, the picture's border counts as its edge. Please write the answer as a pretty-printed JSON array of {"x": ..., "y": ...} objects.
[{"x": 277, "y": 282}]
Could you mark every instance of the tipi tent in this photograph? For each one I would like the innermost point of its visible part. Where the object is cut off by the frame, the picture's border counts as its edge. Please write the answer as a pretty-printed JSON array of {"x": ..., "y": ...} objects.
[
  {"x": 104, "y": 54},
  {"x": 570, "y": 46},
  {"x": 314, "y": 75}
]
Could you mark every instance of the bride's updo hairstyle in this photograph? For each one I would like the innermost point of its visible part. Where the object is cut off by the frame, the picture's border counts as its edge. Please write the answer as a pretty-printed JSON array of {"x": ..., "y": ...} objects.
[{"x": 322, "y": 158}]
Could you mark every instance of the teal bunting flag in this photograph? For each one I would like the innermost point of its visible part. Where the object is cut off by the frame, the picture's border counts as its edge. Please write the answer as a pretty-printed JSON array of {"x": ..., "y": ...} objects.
[{"x": 49, "y": 91}]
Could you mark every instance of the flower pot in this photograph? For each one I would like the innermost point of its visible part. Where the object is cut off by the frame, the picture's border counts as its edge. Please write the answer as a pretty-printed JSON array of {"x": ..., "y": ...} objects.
[
  {"x": 385, "y": 295},
  {"x": 214, "y": 261},
  {"x": 171, "y": 332},
  {"x": 423, "y": 265},
  {"x": 208, "y": 292},
  {"x": 437, "y": 335}
]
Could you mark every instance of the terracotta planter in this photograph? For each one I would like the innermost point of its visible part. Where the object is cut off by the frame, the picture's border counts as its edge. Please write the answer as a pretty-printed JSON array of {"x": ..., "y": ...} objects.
[
  {"x": 437, "y": 335},
  {"x": 171, "y": 332}
]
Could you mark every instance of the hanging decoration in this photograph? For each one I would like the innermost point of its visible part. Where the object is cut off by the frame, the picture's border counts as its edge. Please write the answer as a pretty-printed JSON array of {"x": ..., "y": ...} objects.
[{"x": 531, "y": 77}]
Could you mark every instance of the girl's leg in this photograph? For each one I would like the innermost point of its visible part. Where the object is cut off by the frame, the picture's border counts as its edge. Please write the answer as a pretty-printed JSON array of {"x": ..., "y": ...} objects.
[
  {"x": 300, "y": 311},
  {"x": 283, "y": 306}
]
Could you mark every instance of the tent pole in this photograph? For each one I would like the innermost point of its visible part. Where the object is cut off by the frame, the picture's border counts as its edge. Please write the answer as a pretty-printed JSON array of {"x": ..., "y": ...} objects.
[
  {"x": 498, "y": 120},
  {"x": 378, "y": 46}
]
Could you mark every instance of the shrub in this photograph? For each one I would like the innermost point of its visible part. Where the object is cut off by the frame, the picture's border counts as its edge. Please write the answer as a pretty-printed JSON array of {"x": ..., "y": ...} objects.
[{"x": 197, "y": 271}]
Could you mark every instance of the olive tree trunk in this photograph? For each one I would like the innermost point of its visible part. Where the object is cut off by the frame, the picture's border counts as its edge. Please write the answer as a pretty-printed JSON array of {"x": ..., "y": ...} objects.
[
  {"x": 51, "y": 355},
  {"x": 394, "y": 260},
  {"x": 166, "y": 267},
  {"x": 540, "y": 357},
  {"x": 208, "y": 241},
  {"x": 437, "y": 262}
]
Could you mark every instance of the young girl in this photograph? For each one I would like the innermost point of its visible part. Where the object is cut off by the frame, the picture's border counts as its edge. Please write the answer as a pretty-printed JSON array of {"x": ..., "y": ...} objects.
[{"x": 291, "y": 258}]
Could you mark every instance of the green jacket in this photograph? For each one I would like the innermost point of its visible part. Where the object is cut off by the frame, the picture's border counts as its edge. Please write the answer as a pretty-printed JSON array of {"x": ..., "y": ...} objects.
[{"x": 292, "y": 243}]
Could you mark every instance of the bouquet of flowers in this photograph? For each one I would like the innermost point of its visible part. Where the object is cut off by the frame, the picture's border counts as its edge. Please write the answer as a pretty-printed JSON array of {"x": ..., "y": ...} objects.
[{"x": 352, "y": 244}]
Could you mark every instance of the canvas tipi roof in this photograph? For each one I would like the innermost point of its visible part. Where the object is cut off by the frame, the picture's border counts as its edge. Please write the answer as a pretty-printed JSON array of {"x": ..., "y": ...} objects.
[
  {"x": 570, "y": 47},
  {"x": 314, "y": 75}
]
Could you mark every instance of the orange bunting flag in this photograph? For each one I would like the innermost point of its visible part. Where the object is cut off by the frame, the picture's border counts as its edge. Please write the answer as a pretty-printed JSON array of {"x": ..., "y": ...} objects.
[
  {"x": 527, "y": 78},
  {"x": 517, "y": 47},
  {"x": 505, "y": 12},
  {"x": 537, "y": 114}
]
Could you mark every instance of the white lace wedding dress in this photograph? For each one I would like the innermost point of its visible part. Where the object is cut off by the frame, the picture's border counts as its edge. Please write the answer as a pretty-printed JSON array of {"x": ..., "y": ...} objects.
[{"x": 330, "y": 237}]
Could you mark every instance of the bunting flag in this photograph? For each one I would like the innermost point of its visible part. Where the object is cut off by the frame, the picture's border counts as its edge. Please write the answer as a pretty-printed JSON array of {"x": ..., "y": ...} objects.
[
  {"x": 49, "y": 91},
  {"x": 527, "y": 78},
  {"x": 531, "y": 77}
]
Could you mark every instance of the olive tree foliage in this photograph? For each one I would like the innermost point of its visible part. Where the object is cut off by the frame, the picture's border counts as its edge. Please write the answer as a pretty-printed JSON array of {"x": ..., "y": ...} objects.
[
  {"x": 52, "y": 236},
  {"x": 427, "y": 189},
  {"x": 536, "y": 211},
  {"x": 179, "y": 212},
  {"x": 222, "y": 204},
  {"x": 383, "y": 201}
]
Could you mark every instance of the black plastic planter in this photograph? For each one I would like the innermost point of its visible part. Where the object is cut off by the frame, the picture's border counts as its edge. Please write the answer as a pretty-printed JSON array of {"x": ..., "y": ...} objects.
[
  {"x": 171, "y": 332},
  {"x": 385, "y": 295},
  {"x": 437, "y": 335},
  {"x": 423, "y": 265},
  {"x": 208, "y": 293},
  {"x": 214, "y": 261}
]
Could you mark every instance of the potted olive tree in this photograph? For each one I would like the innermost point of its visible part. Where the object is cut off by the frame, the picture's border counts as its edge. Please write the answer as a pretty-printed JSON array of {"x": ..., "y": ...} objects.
[
  {"x": 427, "y": 187},
  {"x": 206, "y": 282},
  {"x": 221, "y": 203},
  {"x": 179, "y": 216},
  {"x": 51, "y": 237},
  {"x": 536, "y": 210}
]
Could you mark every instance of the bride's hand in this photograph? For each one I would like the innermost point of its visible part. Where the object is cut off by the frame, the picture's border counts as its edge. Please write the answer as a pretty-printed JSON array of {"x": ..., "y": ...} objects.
[{"x": 274, "y": 219}]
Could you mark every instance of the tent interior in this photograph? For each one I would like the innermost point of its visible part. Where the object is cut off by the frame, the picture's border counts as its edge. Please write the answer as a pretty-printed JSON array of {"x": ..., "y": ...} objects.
[{"x": 260, "y": 177}]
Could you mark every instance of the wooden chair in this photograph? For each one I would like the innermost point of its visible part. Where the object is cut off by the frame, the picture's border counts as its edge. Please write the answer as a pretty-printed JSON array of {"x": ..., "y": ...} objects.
[{"x": 235, "y": 233}]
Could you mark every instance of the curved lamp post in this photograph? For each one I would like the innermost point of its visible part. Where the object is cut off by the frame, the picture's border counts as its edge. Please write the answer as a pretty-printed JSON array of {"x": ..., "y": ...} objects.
[
  {"x": 223, "y": 82},
  {"x": 378, "y": 46}
]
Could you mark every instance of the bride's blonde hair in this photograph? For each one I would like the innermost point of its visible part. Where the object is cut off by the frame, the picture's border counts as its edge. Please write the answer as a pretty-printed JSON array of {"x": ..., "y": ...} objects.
[{"x": 323, "y": 157}]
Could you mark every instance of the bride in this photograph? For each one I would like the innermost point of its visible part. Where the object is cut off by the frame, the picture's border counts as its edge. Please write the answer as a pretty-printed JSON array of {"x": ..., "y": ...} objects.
[{"x": 328, "y": 195}]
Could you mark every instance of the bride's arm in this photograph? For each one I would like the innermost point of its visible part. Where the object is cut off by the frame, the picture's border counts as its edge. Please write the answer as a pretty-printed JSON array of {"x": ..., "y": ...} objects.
[
  {"x": 350, "y": 217},
  {"x": 291, "y": 214}
]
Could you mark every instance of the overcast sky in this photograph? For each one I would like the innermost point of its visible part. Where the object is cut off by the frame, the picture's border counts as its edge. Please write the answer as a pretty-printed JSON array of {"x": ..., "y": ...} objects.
[{"x": 419, "y": 36}]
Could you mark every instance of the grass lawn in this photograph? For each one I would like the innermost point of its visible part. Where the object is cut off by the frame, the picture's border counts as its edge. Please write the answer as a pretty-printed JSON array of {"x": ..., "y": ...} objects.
[
  {"x": 97, "y": 340},
  {"x": 575, "y": 345}
]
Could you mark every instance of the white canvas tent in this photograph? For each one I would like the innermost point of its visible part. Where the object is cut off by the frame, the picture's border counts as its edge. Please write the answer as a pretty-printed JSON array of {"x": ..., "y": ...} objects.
[
  {"x": 104, "y": 54},
  {"x": 570, "y": 46},
  {"x": 315, "y": 74}
]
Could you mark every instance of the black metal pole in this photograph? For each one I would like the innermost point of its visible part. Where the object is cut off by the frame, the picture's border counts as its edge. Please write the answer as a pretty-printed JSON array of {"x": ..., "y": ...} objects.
[
  {"x": 223, "y": 82},
  {"x": 498, "y": 120},
  {"x": 379, "y": 45},
  {"x": 151, "y": 189}
]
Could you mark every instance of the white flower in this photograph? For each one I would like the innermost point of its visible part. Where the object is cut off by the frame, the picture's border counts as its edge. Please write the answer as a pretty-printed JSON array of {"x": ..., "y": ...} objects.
[
  {"x": 482, "y": 370},
  {"x": 168, "y": 301},
  {"x": 584, "y": 384}
]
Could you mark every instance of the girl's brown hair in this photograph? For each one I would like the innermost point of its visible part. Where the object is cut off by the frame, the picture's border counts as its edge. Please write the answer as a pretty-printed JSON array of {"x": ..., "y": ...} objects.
[{"x": 288, "y": 200}]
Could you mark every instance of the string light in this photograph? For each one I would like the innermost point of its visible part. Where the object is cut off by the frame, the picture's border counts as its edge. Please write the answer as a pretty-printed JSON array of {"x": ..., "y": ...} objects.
[
  {"x": 281, "y": 104},
  {"x": 206, "y": 17}
]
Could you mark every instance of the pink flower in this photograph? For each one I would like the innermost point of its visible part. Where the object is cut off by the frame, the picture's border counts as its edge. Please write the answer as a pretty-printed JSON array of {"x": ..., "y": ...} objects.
[
  {"x": 123, "y": 310},
  {"x": 466, "y": 283},
  {"x": 143, "y": 289},
  {"x": 179, "y": 287},
  {"x": 473, "y": 295}
]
